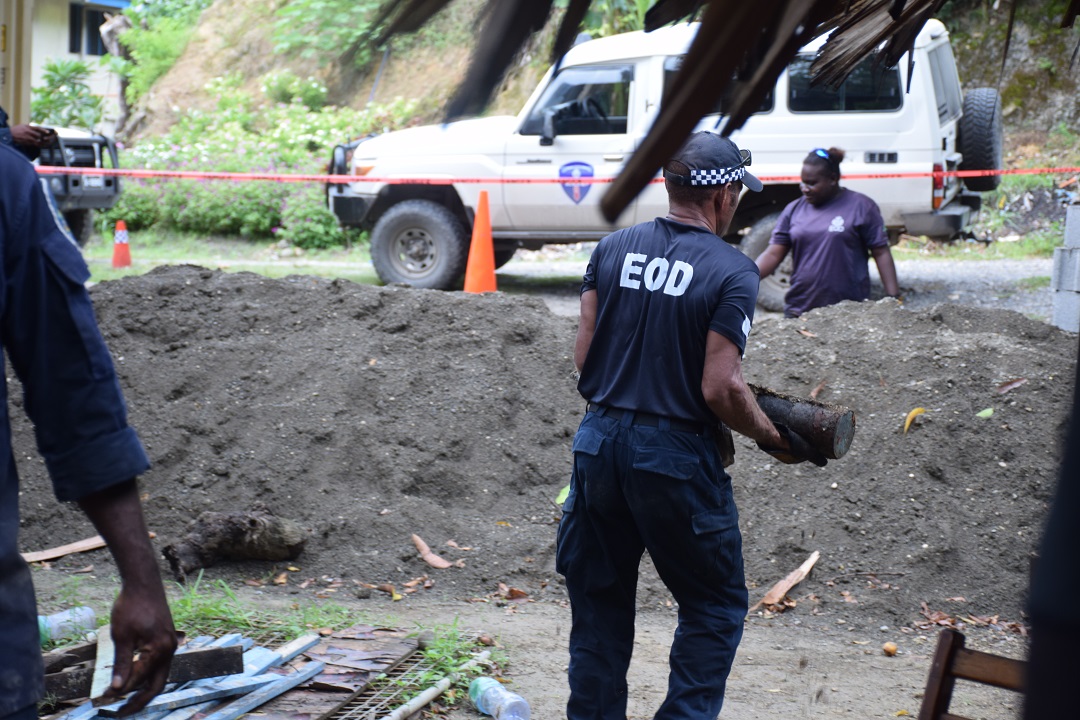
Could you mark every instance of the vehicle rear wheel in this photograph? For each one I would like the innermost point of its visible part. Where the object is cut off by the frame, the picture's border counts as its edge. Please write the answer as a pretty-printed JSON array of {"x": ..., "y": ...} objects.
[
  {"x": 503, "y": 256},
  {"x": 421, "y": 243},
  {"x": 980, "y": 137},
  {"x": 773, "y": 288},
  {"x": 81, "y": 224}
]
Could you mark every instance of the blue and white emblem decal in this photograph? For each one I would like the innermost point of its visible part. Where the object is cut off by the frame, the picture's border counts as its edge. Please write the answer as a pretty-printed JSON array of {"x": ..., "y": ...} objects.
[{"x": 576, "y": 191}]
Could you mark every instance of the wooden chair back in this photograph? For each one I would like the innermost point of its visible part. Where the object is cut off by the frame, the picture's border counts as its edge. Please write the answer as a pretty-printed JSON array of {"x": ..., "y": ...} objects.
[{"x": 953, "y": 661}]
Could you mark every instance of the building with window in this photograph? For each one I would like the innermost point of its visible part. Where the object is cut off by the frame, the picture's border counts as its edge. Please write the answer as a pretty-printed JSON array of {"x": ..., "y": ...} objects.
[{"x": 34, "y": 31}]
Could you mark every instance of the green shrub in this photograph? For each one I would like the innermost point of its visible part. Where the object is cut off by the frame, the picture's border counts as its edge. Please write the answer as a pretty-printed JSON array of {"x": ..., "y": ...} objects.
[
  {"x": 154, "y": 49},
  {"x": 307, "y": 223},
  {"x": 282, "y": 86},
  {"x": 242, "y": 136},
  {"x": 65, "y": 100},
  {"x": 218, "y": 207},
  {"x": 139, "y": 204}
]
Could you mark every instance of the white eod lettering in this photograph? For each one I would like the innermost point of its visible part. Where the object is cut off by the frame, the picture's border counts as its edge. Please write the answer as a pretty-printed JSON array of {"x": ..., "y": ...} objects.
[{"x": 673, "y": 277}]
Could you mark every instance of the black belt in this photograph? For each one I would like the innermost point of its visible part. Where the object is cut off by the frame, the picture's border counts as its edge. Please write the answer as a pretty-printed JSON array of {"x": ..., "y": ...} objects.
[{"x": 648, "y": 419}]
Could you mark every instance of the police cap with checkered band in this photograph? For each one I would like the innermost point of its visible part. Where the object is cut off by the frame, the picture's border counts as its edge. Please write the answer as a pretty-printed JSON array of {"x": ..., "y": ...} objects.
[{"x": 713, "y": 160}]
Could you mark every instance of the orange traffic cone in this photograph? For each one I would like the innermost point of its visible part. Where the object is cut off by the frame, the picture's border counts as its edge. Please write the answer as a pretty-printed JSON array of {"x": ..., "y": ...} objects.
[
  {"x": 480, "y": 271},
  {"x": 121, "y": 255}
]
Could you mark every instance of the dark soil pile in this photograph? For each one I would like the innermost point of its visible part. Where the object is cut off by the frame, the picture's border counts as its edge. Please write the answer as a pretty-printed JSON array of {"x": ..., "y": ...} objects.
[{"x": 369, "y": 414}]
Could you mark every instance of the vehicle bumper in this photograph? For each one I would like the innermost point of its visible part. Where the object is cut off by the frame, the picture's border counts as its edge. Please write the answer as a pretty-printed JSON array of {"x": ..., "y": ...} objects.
[
  {"x": 349, "y": 208},
  {"x": 944, "y": 223},
  {"x": 82, "y": 192}
]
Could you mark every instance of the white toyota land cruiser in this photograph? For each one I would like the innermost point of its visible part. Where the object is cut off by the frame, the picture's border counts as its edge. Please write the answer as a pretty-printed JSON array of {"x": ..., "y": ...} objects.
[{"x": 585, "y": 120}]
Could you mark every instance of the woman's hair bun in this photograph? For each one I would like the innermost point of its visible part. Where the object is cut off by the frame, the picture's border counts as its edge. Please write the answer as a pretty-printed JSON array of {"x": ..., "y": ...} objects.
[{"x": 837, "y": 155}]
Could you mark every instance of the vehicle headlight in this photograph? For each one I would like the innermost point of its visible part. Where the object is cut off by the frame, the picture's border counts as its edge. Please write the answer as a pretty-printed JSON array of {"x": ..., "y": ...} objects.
[{"x": 56, "y": 184}]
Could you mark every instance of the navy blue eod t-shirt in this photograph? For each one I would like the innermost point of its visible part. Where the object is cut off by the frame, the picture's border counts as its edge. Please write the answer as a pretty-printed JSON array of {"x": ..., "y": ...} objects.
[{"x": 661, "y": 287}]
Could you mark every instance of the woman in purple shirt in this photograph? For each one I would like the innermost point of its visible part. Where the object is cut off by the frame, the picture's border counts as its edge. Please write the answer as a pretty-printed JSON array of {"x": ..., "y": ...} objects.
[{"x": 830, "y": 231}]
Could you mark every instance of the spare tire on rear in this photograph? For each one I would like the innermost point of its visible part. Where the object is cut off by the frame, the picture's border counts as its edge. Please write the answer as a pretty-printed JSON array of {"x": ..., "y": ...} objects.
[{"x": 980, "y": 138}]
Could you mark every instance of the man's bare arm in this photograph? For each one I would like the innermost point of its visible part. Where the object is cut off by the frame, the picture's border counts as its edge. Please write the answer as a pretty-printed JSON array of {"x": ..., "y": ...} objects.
[
  {"x": 141, "y": 621},
  {"x": 730, "y": 398},
  {"x": 586, "y": 328}
]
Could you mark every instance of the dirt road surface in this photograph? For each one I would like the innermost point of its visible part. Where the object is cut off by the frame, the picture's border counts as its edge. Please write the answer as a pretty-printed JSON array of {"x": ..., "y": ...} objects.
[{"x": 369, "y": 414}]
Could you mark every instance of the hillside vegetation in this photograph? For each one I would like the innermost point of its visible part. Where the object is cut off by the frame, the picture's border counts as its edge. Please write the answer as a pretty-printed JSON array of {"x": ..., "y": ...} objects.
[
  {"x": 239, "y": 37},
  {"x": 261, "y": 91}
]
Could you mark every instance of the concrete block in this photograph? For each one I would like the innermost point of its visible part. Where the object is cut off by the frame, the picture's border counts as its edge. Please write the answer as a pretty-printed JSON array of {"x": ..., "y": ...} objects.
[
  {"x": 1072, "y": 226},
  {"x": 1067, "y": 310},
  {"x": 1066, "y": 273}
]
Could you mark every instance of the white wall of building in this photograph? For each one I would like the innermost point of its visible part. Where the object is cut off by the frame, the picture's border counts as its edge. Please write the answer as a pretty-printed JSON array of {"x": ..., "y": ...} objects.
[
  {"x": 52, "y": 37},
  {"x": 15, "y": 58}
]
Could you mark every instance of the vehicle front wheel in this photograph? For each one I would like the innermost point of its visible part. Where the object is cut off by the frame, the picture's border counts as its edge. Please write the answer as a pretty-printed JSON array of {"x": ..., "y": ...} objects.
[
  {"x": 81, "y": 224},
  {"x": 773, "y": 288},
  {"x": 421, "y": 243}
]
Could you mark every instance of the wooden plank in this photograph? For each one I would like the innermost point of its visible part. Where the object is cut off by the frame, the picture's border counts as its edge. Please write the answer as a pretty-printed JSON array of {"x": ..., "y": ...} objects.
[
  {"x": 92, "y": 543},
  {"x": 990, "y": 669},
  {"x": 103, "y": 666},
  {"x": 304, "y": 703},
  {"x": 57, "y": 661},
  {"x": 206, "y": 663},
  {"x": 69, "y": 683},
  {"x": 291, "y": 649},
  {"x": 255, "y": 699},
  {"x": 83, "y": 712},
  {"x": 228, "y": 687},
  {"x": 82, "y": 651},
  {"x": 256, "y": 660}
]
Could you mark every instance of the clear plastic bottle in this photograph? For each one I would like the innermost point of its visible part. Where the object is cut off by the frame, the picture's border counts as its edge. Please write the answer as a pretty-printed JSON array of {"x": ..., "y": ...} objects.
[
  {"x": 68, "y": 624},
  {"x": 491, "y": 698}
]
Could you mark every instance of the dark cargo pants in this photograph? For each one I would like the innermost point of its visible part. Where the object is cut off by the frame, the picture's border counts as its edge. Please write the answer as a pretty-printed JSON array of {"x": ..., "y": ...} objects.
[{"x": 637, "y": 488}]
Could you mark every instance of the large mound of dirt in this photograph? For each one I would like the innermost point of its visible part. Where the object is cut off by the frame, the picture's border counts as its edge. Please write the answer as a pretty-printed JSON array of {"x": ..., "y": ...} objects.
[{"x": 369, "y": 414}]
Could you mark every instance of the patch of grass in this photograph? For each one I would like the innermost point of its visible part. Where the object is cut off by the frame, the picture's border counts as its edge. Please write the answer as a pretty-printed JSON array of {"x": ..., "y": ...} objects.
[
  {"x": 153, "y": 247},
  {"x": 1034, "y": 283},
  {"x": 214, "y": 609},
  {"x": 1036, "y": 244}
]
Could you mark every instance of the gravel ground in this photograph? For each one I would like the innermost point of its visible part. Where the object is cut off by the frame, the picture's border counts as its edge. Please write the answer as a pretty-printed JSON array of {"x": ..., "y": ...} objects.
[{"x": 554, "y": 273}]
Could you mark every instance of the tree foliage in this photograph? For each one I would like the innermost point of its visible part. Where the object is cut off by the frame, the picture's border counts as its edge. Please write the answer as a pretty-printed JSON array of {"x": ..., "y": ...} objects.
[
  {"x": 611, "y": 17},
  {"x": 310, "y": 27},
  {"x": 65, "y": 99}
]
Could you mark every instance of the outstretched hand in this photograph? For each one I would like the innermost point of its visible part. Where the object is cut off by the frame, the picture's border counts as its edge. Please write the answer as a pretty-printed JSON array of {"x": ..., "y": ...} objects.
[
  {"x": 145, "y": 641},
  {"x": 798, "y": 449},
  {"x": 32, "y": 135}
]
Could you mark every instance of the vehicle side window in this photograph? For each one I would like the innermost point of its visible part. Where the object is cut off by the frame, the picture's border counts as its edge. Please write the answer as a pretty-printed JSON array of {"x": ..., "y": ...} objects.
[
  {"x": 869, "y": 88},
  {"x": 585, "y": 100},
  {"x": 723, "y": 105},
  {"x": 946, "y": 83}
]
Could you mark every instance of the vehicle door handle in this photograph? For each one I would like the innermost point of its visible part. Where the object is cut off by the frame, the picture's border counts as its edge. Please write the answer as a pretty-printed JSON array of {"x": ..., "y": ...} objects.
[
  {"x": 535, "y": 161},
  {"x": 614, "y": 158}
]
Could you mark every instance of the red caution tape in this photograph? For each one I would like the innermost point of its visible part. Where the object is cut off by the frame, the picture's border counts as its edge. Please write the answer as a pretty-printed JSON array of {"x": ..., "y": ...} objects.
[{"x": 342, "y": 179}]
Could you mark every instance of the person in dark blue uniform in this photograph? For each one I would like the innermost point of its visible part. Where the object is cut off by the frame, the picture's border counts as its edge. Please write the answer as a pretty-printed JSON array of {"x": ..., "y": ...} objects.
[
  {"x": 71, "y": 394},
  {"x": 666, "y": 307},
  {"x": 1054, "y": 665}
]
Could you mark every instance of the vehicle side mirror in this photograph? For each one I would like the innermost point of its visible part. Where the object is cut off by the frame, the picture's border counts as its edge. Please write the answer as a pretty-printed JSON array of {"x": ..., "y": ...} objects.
[{"x": 547, "y": 132}]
